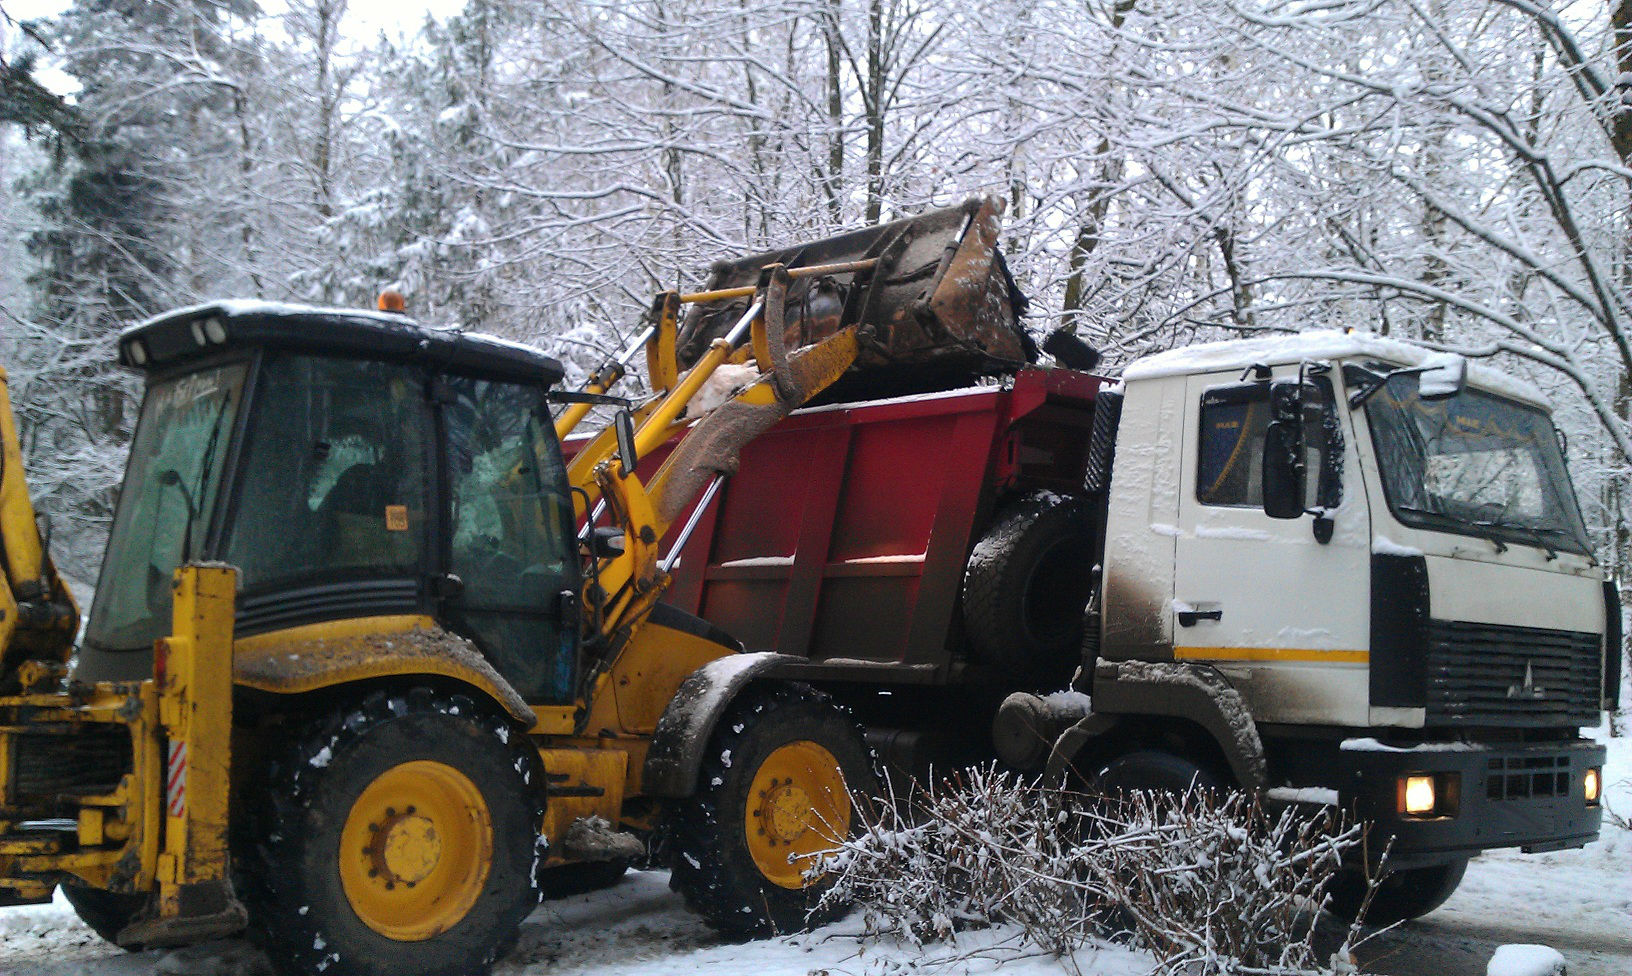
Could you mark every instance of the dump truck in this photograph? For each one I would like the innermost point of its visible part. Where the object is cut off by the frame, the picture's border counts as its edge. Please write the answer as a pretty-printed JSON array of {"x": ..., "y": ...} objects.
[
  {"x": 1343, "y": 571},
  {"x": 368, "y": 660}
]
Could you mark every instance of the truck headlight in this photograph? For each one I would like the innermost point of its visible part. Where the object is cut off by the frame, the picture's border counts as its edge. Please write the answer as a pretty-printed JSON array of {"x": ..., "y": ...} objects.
[
  {"x": 1419, "y": 795},
  {"x": 1591, "y": 785},
  {"x": 1430, "y": 796}
]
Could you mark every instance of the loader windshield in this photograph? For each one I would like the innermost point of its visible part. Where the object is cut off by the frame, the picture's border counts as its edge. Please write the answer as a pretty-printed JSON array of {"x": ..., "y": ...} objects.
[{"x": 164, "y": 508}]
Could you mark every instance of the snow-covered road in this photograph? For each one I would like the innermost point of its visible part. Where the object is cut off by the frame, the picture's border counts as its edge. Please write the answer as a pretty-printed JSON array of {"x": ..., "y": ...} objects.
[{"x": 1579, "y": 902}]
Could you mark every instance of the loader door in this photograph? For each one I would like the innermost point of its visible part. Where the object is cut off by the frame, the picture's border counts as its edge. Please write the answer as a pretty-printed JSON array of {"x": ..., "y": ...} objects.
[
  {"x": 1283, "y": 615},
  {"x": 509, "y": 539}
]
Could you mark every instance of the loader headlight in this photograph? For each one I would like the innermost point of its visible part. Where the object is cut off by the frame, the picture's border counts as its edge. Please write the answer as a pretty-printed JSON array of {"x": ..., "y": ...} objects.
[
  {"x": 136, "y": 350},
  {"x": 1591, "y": 785}
]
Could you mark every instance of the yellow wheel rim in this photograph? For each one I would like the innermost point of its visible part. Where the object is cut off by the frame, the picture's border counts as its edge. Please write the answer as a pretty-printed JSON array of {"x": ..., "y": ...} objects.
[
  {"x": 415, "y": 850},
  {"x": 798, "y": 807}
]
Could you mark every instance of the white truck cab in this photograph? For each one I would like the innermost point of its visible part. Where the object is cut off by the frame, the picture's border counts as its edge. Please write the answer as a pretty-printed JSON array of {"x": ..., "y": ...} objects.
[{"x": 1340, "y": 567}]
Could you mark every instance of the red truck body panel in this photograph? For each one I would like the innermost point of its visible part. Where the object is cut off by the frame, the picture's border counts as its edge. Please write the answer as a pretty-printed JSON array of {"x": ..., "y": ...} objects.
[{"x": 843, "y": 537}]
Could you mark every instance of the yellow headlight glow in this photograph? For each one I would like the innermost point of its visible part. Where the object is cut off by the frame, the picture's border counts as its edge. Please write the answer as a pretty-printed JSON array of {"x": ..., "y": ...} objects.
[
  {"x": 1419, "y": 795},
  {"x": 1592, "y": 785}
]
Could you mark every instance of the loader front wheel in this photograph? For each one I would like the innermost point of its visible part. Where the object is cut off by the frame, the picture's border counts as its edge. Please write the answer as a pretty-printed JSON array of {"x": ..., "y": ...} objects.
[
  {"x": 400, "y": 837},
  {"x": 106, "y": 912},
  {"x": 774, "y": 793}
]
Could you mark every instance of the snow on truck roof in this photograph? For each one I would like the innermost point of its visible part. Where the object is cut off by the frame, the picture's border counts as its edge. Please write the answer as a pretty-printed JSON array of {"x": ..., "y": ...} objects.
[{"x": 1322, "y": 344}]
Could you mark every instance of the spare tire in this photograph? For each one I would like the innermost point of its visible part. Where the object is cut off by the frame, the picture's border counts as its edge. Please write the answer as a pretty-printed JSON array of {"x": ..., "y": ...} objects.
[{"x": 1027, "y": 585}]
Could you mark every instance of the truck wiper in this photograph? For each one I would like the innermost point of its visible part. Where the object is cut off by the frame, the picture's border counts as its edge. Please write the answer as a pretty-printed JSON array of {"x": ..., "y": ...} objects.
[
  {"x": 1527, "y": 530},
  {"x": 1501, "y": 546}
]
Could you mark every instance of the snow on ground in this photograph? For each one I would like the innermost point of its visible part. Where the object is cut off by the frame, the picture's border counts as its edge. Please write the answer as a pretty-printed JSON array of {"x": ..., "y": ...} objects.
[
  {"x": 635, "y": 928},
  {"x": 1577, "y": 902}
]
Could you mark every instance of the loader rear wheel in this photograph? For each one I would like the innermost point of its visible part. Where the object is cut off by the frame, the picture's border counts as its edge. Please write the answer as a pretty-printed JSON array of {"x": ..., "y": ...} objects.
[
  {"x": 400, "y": 837},
  {"x": 774, "y": 792},
  {"x": 106, "y": 912},
  {"x": 1027, "y": 587}
]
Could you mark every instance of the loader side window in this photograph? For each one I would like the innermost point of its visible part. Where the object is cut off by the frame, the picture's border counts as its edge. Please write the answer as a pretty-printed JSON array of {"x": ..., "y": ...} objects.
[
  {"x": 511, "y": 534},
  {"x": 165, "y": 506},
  {"x": 334, "y": 483}
]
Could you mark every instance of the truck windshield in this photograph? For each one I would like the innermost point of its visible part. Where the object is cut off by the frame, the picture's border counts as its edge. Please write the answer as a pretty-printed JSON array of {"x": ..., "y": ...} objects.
[
  {"x": 164, "y": 507},
  {"x": 1475, "y": 464}
]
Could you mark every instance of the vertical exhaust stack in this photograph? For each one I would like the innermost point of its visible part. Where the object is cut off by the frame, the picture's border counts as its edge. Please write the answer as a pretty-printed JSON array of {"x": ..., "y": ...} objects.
[{"x": 938, "y": 310}]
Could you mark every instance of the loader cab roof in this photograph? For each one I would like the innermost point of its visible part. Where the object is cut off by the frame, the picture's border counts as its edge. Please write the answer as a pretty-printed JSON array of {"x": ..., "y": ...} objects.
[{"x": 201, "y": 331}]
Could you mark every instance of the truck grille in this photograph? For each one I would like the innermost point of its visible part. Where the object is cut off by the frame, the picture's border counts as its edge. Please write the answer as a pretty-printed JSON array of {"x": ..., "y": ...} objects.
[
  {"x": 83, "y": 760},
  {"x": 1484, "y": 674},
  {"x": 1527, "y": 778}
]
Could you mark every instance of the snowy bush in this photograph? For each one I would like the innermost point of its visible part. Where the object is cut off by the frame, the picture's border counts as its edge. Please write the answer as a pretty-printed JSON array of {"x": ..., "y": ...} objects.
[{"x": 1207, "y": 882}]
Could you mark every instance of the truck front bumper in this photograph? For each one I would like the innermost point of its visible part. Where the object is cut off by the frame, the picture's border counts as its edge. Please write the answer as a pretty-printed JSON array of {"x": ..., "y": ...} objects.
[
  {"x": 1525, "y": 795},
  {"x": 1531, "y": 796}
]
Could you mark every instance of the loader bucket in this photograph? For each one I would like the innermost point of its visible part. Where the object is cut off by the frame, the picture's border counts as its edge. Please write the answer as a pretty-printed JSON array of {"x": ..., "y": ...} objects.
[{"x": 938, "y": 309}]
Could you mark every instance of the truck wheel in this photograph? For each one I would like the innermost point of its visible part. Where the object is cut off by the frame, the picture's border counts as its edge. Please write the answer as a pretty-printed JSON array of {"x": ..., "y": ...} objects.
[
  {"x": 400, "y": 837},
  {"x": 106, "y": 912},
  {"x": 1027, "y": 585},
  {"x": 1405, "y": 894},
  {"x": 1159, "y": 772},
  {"x": 774, "y": 792}
]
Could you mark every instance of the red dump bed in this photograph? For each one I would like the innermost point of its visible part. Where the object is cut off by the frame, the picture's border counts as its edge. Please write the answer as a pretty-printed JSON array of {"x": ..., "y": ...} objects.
[{"x": 844, "y": 535}]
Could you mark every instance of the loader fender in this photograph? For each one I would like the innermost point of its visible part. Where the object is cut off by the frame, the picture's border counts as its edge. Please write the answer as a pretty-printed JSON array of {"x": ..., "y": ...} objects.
[
  {"x": 676, "y": 753},
  {"x": 1171, "y": 689},
  {"x": 324, "y": 655}
]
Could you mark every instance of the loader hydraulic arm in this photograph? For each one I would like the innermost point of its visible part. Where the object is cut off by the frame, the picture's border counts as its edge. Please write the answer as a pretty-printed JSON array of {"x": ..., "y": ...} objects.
[
  {"x": 38, "y": 616},
  {"x": 657, "y": 418},
  {"x": 626, "y": 586}
]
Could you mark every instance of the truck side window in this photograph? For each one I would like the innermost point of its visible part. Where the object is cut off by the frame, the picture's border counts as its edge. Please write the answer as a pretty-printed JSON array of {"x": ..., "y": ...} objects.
[{"x": 1229, "y": 467}]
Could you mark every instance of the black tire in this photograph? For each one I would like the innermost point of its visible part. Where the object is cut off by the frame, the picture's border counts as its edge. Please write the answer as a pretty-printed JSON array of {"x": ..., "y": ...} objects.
[
  {"x": 713, "y": 862},
  {"x": 578, "y": 879},
  {"x": 106, "y": 912},
  {"x": 1028, "y": 584},
  {"x": 1156, "y": 771},
  {"x": 295, "y": 881},
  {"x": 1403, "y": 895}
]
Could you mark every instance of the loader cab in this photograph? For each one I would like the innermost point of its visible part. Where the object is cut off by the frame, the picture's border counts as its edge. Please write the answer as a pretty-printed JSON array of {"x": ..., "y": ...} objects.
[{"x": 351, "y": 465}]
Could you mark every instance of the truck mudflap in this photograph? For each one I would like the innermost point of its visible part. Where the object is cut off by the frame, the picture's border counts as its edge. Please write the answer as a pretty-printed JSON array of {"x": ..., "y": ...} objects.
[
  {"x": 1530, "y": 796},
  {"x": 940, "y": 299},
  {"x": 123, "y": 786}
]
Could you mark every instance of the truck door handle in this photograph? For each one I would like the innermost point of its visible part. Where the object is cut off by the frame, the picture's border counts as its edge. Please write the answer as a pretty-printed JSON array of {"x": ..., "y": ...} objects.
[{"x": 1188, "y": 618}]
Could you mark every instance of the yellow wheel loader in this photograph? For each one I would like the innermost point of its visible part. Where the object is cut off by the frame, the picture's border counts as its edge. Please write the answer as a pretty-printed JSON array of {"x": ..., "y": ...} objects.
[{"x": 367, "y": 660}]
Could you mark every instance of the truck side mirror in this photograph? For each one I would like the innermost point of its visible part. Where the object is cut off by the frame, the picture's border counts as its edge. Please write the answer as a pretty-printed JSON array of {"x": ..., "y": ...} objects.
[
  {"x": 1444, "y": 375},
  {"x": 624, "y": 424},
  {"x": 1283, "y": 470}
]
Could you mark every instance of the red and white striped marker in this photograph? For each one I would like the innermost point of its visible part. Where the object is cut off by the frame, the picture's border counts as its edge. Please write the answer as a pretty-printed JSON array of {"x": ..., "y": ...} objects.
[{"x": 176, "y": 784}]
